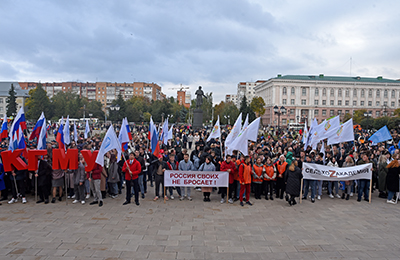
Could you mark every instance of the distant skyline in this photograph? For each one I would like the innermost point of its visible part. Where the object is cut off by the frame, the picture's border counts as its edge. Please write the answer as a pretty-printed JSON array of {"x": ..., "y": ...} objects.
[{"x": 215, "y": 44}]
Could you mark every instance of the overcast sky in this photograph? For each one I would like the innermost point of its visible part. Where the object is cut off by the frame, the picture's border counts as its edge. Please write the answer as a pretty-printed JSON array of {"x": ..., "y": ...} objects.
[{"x": 213, "y": 43}]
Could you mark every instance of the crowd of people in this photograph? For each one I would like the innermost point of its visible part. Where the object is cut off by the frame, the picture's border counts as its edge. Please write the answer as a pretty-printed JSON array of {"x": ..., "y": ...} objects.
[{"x": 272, "y": 170}]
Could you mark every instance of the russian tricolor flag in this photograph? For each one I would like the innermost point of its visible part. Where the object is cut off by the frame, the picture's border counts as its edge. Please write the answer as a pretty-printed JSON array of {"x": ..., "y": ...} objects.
[
  {"x": 19, "y": 120},
  {"x": 38, "y": 127},
  {"x": 155, "y": 148},
  {"x": 123, "y": 137},
  {"x": 60, "y": 136},
  {"x": 4, "y": 128}
]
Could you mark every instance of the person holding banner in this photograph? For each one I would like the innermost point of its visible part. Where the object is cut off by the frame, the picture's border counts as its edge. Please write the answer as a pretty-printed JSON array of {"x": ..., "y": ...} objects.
[
  {"x": 229, "y": 166},
  {"x": 210, "y": 167},
  {"x": 392, "y": 179},
  {"x": 348, "y": 184},
  {"x": 160, "y": 167},
  {"x": 363, "y": 184},
  {"x": 308, "y": 183},
  {"x": 186, "y": 165}
]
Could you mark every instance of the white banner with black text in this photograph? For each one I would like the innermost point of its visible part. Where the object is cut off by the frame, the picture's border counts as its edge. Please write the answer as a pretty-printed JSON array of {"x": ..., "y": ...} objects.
[
  {"x": 196, "y": 178},
  {"x": 312, "y": 171}
]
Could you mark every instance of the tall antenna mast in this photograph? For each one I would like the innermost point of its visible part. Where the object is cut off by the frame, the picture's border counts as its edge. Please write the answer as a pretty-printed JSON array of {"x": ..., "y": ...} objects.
[{"x": 351, "y": 61}]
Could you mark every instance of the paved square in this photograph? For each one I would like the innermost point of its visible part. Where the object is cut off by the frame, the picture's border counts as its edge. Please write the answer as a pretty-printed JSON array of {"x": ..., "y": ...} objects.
[{"x": 327, "y": 229}]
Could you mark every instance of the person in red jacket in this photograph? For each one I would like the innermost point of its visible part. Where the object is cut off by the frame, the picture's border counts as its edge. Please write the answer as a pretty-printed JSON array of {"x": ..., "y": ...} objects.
[
  {"x": 229, "y": 166},
  {"x": 94, "y": 177},
  {"x": 245, "y": 180},
  {"x": 132, "y": 168}
]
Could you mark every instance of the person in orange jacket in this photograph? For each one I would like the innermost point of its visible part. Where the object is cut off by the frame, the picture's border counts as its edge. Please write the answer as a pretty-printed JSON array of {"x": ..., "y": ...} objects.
[
  {"x": 258, "y": 177},
  {"x": 132, "y": 168},
  {"x": 281, "y": 166},
  {"x": 269, "y": 179},
  {"x": 245, "y": 180}
]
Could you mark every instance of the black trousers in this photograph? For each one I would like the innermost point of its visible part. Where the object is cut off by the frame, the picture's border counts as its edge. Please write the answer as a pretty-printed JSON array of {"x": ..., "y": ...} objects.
[
  {"x": 43, "y": 192},
  {"x": 257, "y": 190},
  {"x": 135, "y": 184},
  {"x": 159, "y": 180},
  {"x": 280, "y": 187},
  {"x": 268, "y": 187}
]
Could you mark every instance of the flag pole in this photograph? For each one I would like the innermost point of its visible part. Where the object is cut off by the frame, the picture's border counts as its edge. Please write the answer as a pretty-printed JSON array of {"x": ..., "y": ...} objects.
[
  {"x": 66, "y": 188},
  {"x": 36, "y": 188},
  {"x": 370, "y": 189},
  {"x": 301, "y": 190}
]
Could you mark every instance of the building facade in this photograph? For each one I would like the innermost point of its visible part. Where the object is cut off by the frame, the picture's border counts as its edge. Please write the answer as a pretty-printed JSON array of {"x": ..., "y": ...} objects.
[
  {"x": 231, "y": 98},
  {"x": 184, "y": 98},
  {"x": 246, "y": 89},
  {"x": 104, "y": 92},
  {"x": 21, "y": 96},
  {"x": 321, "y": 97}
]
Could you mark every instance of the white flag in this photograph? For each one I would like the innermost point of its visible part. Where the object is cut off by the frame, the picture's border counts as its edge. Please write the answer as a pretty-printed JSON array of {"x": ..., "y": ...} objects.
[
  {"x": 109, "y": 143},
  {"x": 75, "y": 134},
  {"x": 323, "y": 151},
  {"x": 87, "y": 129},
  {"x": 170, "y": 134},
  {"x": 216, "y": 131},
  {"x": 164, "y": 133},
  {"x": 246, "y": 122},
  {"x": 67, "y": 135},
  {"x": 343, "y": 133},
  {"x": 237, "y": 127},
  {"x": 305, "y": 134},
  {"x": 249, "y": 133}
]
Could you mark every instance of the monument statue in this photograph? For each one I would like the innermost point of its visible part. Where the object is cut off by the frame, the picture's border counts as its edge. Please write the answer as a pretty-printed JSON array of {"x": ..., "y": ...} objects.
[
  {"x": 198, "y": 113},
  {"x": 199, "y": 98}
]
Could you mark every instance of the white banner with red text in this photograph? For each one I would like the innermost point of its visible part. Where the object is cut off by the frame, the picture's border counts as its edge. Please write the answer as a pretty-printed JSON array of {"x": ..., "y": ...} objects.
[
  {"x": 312, "y": 171},
  {"x": 196, "y": 178}
]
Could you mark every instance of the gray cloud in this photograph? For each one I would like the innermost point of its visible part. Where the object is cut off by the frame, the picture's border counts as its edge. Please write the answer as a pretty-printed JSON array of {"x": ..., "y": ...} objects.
[{"x": 211, "y": 43}]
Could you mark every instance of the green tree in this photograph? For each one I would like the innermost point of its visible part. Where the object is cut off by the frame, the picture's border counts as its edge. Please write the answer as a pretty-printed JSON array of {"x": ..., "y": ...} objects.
[
  {"x": 136, "y": 107},
  {"x": 257, "y": 105},
  {"x": 38, "y": 102},
  {"x": 11, "y": 102},
  {"x": 95, "y": 107},
  {"x": 346, "y": 117},
  {"x": 227, "y": 112},
  {"x": 246, "y": 110},
  {"x": 358, "y": 116},
  {"x": 117, "y": 115}
]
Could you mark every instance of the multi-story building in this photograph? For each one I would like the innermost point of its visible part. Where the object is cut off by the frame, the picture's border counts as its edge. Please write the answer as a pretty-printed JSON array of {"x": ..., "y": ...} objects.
[
  {"x": 321, "y": 97},
  {"x": 21, "y": 96},
  {"x": 246, "y": 89},
  {"x": 184, "y": 98},
  {"x": 231, "y": 98},
  {"x": 104, "y": 92}
]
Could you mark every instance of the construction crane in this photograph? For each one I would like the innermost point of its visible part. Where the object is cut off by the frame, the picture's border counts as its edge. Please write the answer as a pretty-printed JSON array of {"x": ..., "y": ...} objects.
[{"x": 180, "y": 88}]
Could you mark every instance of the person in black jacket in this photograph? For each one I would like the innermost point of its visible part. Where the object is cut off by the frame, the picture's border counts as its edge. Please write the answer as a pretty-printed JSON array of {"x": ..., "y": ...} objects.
[
  {"x": 43, "y": 176},
  {"x": 293, "y": 178},
  {"x": 160, "y": 167}
]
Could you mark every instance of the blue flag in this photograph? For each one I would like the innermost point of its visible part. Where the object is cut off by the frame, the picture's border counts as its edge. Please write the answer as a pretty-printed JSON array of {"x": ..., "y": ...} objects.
[{"x": 381, "y": 135}]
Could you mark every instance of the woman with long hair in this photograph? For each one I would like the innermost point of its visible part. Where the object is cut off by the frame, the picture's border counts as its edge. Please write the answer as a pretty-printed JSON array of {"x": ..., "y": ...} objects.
[
  {"x": 293, "y": 178},
  {"x": 392, "y": 179}
]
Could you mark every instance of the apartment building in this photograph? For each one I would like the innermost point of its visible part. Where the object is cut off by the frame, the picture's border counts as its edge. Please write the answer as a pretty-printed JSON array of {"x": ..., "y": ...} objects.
[
  {"x": 21, "y": 96},
  {"x": 104, "y": 92}
]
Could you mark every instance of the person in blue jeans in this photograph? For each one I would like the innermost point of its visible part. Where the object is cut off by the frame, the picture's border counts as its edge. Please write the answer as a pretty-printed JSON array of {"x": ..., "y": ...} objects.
[
  {"x": 309, "y": 183},
  {"x": 363, "y": 184},
  {"x": 392, "y": 179}
]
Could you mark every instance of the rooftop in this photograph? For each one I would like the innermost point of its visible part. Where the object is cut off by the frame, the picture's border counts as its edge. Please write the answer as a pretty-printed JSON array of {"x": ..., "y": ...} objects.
[{"x": 322, "y": 77}]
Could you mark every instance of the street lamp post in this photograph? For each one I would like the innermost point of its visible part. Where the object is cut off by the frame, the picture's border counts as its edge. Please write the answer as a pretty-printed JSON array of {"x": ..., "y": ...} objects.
[
  {"x": 368, "y": 114},
  {"x": 278, "y": 111},
  {"x": 229, "y": 119},
  {"x": 116, "y": 108}
]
